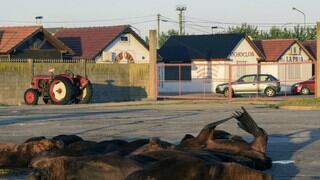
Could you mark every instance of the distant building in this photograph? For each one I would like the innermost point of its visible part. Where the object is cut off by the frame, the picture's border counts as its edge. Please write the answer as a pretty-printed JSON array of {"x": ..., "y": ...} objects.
[
  {"x": 22, "y": 42},
  {"x": 204, "y": 61},
  {"x": 294, "y": 61},
  {"x": 209, "y": 57},
  {"x": 109, "y": 44}
]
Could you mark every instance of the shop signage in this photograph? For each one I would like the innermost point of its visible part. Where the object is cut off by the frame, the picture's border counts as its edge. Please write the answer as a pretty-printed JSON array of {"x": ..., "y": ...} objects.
[{"x": 242, "y": 54}]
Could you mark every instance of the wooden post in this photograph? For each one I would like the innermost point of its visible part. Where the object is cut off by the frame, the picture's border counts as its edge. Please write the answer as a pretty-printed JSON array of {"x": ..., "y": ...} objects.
[
  {"x": 83, "y": 65},
  {"x": 31, "y": 68},
  {"x": 152, "y": 93},
  {"x": 317, "y": 65}
]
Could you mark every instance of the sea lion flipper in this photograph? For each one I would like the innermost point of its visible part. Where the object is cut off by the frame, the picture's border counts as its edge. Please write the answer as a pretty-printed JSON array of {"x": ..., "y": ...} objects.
[{"x": 247, "y": 123}]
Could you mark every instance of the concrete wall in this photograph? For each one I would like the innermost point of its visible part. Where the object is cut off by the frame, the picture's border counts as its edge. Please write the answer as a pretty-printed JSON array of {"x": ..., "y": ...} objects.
[
  {"x": 111, "y": 82},
  {"x": 15, "y": 78}
]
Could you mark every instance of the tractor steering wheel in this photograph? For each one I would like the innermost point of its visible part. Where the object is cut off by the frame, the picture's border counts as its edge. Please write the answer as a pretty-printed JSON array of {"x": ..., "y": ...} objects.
[{"x": 69, "y": 72}]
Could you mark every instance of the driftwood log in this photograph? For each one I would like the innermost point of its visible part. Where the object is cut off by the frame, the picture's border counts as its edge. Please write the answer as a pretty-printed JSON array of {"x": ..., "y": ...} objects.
[{"x": 212, "y": 154}]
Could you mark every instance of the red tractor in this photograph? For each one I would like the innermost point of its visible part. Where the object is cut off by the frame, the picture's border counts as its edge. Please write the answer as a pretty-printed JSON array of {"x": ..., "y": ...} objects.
[{"x": 59, "y": 89}]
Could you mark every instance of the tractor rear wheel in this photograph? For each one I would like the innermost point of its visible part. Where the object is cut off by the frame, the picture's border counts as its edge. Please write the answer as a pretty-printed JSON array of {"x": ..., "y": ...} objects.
[
  {"x": 61, "y": 91},
  {"x": 31, "y": 97},
  {"x": 85, "y": 95}
]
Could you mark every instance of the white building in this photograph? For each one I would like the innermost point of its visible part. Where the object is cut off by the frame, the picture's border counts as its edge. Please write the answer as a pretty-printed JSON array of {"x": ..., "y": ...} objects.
[
  {"x": 209, "y": 57},
  {"x": 204, "y": 61},
  {"x": 286, "y": 59},
  {"x": 107, "y": 44}
]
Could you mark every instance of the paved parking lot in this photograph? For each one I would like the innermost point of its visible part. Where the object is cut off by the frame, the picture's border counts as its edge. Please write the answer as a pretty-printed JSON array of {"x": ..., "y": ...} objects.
[{"x": 293, "y": 144}]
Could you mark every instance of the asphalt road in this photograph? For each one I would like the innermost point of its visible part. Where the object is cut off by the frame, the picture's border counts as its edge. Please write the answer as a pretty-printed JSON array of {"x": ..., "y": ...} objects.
[{"x": 294, "y": 140}]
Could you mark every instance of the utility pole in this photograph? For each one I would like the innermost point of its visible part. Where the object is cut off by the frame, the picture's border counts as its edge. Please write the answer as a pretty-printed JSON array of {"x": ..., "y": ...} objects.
[
  {"x": 181, "y": 9},
  {"x": 158, "y": 30}
]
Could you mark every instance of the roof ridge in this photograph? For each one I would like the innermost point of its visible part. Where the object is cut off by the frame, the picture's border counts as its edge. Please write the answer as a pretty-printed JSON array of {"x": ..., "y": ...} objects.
[
  {"x": 23, "y": 26},
  {"x": 277, "y": 40},
  {"x": 95, "y": 27},
  {"x": 213, "y": 34}
]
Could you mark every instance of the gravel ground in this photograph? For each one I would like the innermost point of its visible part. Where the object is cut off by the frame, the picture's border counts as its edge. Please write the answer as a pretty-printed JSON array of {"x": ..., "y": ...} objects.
[{"x": 293, "y": 143}]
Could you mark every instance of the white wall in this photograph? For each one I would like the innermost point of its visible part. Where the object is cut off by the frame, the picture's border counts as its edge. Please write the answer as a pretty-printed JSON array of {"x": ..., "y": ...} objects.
[
  {"x": 206, "y": 75},
  {"x": 289, "y": 69},
  {"x": 139, "y": 52}
]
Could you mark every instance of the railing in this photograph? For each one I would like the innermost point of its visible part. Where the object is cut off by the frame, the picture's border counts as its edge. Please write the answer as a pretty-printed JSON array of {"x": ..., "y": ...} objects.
[
  {"x": 11, "y": 60},
  {"x": 200, "y": 80}
]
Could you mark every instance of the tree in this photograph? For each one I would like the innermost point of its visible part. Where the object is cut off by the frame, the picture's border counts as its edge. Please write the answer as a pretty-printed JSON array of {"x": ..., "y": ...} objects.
[
  {"x": 275, "y": 32},
  {"x": 164, "y": 36},
  {"x": 247, "y": 29}
]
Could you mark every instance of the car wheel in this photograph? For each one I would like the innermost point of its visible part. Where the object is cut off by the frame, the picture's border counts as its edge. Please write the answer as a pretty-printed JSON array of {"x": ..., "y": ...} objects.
[
  {"x": 226, "y": 93},
  {"x": 305, "y": 91},
  {"x": 270, "y": 92}
]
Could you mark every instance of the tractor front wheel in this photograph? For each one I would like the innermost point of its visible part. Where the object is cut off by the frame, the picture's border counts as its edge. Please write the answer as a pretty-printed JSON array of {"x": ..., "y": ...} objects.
[
  {"x": 61, "y": 91},
  {"x": 31, "y": 97},
  {"x": 85, "y": 95}
]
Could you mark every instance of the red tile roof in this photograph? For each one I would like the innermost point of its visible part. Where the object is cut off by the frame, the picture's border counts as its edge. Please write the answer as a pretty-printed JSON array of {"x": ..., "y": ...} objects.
[
  {"x": 11, "y": 37},
  {"x": 89, "y": 42},
  {"x": 273, "y": 49},
  {"x": 311, "y": 46},
  {"x": 14, "y": 36}
]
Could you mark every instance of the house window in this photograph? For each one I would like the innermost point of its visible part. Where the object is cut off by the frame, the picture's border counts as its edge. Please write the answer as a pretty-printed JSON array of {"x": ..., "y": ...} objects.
[
  {"x": 300, "y": 51},
  {"x": 177, "y": 73},
  {"x": 294, "y": 50},
  {"x": 241, "y": 68},
  {"x": 124, "y": 39},
  {"x": 294, "y": 71}
]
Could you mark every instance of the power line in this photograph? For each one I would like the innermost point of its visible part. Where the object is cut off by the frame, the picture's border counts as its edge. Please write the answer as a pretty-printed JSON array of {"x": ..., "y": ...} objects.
[
  {"x": 199, "y": 20},
  {"x": 80, "y": 21},
  {"x": 199, "y": 30}
]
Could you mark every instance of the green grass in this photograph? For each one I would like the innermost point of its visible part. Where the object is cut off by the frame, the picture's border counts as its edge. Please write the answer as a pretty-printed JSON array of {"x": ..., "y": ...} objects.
[{"x": 301, "y": 102}]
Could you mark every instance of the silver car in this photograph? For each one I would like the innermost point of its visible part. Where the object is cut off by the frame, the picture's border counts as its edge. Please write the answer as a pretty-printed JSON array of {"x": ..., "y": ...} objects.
[{"x": 251, "y": 84}]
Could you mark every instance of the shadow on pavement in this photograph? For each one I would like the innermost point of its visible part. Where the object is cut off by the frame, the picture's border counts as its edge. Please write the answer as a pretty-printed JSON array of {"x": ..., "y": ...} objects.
[{"x": 282, "y": 149}]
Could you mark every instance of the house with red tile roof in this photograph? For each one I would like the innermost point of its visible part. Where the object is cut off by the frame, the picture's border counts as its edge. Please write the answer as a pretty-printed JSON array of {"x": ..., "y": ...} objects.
[
  {"x": 22, "y": 42},
  {"x": 107, "y": 44},
  {"x": 311, "y": 46},
  {"x": 287, "y": 59}
]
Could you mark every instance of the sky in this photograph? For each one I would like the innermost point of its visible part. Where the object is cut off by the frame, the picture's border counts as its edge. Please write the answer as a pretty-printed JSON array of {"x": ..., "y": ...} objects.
[{"x": 141, "y": 14}]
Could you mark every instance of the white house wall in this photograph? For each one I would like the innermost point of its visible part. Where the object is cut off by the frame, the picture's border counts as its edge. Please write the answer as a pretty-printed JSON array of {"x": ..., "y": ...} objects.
[
  {"x": 138, "y": 51},
  {"x": 206, "y": 75},
  {"x": 290, "y": 61}
]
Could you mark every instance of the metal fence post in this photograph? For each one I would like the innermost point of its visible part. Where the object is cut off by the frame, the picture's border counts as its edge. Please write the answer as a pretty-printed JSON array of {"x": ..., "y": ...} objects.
[
  {"x": 179, "y": 79},
  {"x": 317, "y": 68},
  {"x": 285, "y": 78},
  {"x": 230, "y": 81}
]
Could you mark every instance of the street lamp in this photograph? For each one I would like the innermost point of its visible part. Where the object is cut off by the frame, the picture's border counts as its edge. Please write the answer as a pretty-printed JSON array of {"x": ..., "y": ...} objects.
[
  {"x": 213, "y": 27},
  {"x": 304, "y": 16}
]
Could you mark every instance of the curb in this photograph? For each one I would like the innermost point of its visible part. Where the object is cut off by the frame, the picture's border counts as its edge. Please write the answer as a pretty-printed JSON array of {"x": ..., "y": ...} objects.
[{"x": 303, "y": 108}]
